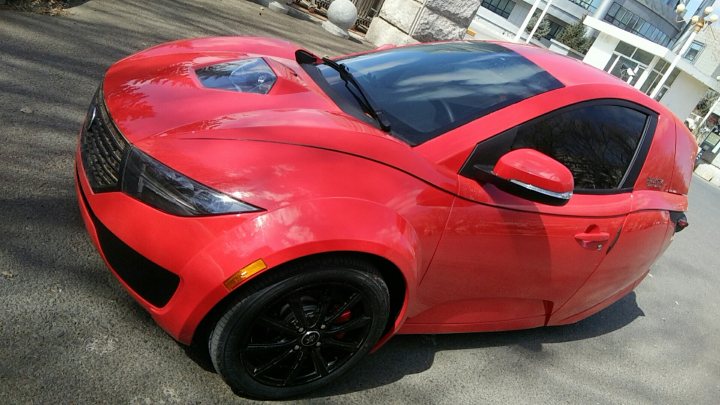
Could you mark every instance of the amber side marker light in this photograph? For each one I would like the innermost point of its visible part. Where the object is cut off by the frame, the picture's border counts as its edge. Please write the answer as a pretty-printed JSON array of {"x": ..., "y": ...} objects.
[{"x": 244, "y": 273}]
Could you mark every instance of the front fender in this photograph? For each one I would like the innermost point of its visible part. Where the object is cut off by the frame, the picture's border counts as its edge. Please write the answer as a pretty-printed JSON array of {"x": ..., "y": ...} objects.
[{"x": 299, "y": 230}]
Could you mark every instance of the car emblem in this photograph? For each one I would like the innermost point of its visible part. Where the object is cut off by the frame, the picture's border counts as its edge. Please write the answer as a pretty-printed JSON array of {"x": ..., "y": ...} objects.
[
  {"x": 655, "y": 182},
  {"x": 310, "y": 338},
  {"x": 91, "y": 120}
]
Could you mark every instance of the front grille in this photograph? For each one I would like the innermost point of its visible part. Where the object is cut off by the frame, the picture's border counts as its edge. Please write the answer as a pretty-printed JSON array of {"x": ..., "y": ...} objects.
[{"x": 102, "y": 148}]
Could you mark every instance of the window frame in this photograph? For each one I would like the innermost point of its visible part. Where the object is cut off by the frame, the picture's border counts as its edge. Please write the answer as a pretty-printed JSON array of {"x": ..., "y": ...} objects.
[
  {"x": 505, "y": 139},
  {"x": 627, "y": 20},
  {"x": 590, "y": 5},
  {"x": 494, "y": 7},
  {"x": 699, "y": 48}
]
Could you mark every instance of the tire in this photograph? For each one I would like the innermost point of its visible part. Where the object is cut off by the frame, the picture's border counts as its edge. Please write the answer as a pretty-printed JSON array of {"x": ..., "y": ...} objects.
[{"x": 300, "y": 329}]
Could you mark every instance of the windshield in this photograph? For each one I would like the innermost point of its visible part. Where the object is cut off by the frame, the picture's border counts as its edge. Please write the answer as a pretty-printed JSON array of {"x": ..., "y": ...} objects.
[{"x": 426, "y": 90}]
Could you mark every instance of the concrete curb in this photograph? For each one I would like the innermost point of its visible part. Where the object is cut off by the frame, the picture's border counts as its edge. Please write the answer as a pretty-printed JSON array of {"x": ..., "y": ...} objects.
[{"x": 708, "y": 172}]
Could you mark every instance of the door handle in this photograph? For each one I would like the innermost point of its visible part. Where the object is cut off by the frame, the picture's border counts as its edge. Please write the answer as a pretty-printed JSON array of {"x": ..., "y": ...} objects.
[{"x": 593, "y": 241}]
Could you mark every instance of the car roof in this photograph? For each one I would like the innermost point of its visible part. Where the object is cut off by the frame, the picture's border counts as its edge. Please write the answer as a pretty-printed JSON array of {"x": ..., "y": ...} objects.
[
  {"x": 557, "y": 65},
  {"x": 581, "y": 74}
]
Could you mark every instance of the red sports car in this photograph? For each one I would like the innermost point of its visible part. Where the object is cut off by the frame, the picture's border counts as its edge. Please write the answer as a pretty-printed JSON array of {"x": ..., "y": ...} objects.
[{"x": 293, "y": 212}]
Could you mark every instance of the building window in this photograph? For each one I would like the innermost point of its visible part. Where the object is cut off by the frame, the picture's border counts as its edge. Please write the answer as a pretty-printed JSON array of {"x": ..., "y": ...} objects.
[
  {"x": 555, "y": 29},
  {"x": 621, "y": 17},
  {"x": 694, "y": 51},
  {"x": 629, "y": 63},
  {"x": 502, "y": 8},
  {"x": 590, "y": 5},
  {"x": 656, "y": 75}
]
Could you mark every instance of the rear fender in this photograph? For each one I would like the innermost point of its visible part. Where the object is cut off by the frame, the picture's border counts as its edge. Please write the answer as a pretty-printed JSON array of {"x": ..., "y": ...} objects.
[{"x": 685, "y": 154}]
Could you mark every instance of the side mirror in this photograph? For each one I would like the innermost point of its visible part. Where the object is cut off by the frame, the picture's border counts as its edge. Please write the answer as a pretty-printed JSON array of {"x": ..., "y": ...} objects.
[{"x": 532, "y": 175}]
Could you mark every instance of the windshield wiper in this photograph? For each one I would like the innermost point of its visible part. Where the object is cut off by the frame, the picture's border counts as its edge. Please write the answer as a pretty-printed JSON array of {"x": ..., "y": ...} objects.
[{"x": 361, "y": 96}]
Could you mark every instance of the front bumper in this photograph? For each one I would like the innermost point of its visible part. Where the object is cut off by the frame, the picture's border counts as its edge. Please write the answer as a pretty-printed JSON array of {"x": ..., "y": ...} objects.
[{"x": 173, "y": 266}]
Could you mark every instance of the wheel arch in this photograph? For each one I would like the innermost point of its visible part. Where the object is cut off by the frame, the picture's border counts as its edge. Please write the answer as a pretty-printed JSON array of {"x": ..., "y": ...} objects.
[
  {"x": 328, "y": 226},
  {"x": 393, "y": 276}
]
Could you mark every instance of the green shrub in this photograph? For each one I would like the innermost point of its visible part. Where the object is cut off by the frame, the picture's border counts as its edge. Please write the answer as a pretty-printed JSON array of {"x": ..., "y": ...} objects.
[
  {"x": 542, "y": 30},
  {"x": 51, "y": 7}
]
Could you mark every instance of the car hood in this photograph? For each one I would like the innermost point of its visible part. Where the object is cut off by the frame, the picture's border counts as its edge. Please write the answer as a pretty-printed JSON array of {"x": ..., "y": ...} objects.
[
  {"x": 157, "y": 91},
  {"x": 155, "y": 97}
]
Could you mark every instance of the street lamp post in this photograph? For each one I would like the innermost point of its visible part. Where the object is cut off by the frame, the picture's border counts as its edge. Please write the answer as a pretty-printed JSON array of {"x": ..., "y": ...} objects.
[{"x": 699, "y": 22}]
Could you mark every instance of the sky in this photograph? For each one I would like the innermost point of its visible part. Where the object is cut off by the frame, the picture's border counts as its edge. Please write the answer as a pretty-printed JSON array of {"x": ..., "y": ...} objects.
[{"x": 692, "y": 6}]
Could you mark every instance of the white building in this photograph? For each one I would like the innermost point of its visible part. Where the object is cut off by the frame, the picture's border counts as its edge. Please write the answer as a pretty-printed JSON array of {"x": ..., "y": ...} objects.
[
  {"x": 637, "y": 40},
  {"x": 653, "y": 19},
  {"x": 642, "y": 63}
]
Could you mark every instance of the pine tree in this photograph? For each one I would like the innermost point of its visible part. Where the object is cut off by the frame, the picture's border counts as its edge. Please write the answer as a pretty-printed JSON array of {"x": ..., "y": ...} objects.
[
  {"x": 574, "y": 37},
  {"x": 542, "y": 30}
]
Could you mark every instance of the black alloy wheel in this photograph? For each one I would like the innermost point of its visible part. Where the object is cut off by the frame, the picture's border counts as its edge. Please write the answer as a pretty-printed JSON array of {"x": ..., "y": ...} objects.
[{"x": 298, "y": 332}]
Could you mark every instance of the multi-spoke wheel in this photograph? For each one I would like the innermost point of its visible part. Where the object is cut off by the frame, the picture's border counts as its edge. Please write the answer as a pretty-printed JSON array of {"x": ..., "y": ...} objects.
[{"x": 297, "y": 332}]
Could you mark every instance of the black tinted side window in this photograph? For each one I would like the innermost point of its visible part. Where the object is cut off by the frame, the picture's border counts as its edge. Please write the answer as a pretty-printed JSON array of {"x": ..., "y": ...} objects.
[
  {"x": 597, "y": 142},
  {"x": 601, "y": 142}
]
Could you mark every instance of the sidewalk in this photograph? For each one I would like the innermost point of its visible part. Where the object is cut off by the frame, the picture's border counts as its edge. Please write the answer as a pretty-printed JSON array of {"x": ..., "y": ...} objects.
[{"x": 709, "y": 173}]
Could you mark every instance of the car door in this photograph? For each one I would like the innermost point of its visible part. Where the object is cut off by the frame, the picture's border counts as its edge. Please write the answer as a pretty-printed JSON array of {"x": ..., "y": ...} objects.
[{"x": 505, "y": 262}]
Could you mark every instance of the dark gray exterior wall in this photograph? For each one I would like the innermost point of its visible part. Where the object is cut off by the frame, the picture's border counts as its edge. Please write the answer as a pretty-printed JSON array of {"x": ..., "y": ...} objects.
[{"x": 656, "y": 12}]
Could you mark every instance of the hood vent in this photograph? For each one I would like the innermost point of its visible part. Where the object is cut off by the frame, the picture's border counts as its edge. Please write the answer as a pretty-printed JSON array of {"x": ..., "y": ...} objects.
[{"x": 244, "y": 76}]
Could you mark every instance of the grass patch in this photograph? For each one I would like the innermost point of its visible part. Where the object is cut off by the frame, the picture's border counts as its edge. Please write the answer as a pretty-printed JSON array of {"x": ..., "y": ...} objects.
[{"x": 50, "y": 7}]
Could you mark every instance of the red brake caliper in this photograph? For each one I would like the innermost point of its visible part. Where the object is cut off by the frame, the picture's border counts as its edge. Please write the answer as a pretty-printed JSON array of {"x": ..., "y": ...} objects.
[{"x": 344, "y": 317}]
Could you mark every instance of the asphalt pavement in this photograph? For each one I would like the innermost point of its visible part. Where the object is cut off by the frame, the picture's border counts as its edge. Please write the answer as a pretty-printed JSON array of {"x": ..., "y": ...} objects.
[{"x": 70, "y": 334}]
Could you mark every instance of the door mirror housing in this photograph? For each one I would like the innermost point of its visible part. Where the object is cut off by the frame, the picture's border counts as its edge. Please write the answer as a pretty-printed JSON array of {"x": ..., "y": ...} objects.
[{"x": 531, "y": 175}]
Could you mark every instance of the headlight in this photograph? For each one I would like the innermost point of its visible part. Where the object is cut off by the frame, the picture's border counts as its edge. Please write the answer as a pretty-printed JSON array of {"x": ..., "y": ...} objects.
[{"x": 157, "y": 185}]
